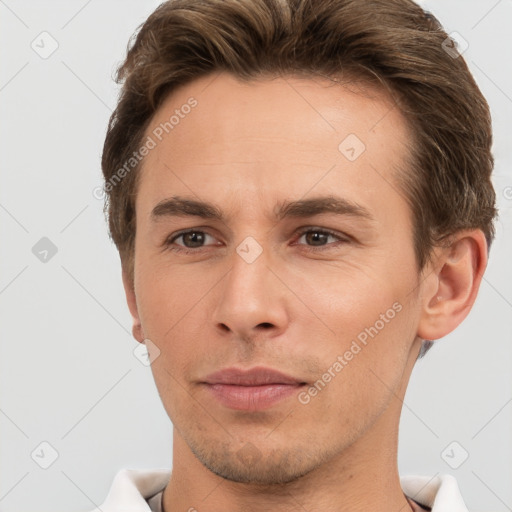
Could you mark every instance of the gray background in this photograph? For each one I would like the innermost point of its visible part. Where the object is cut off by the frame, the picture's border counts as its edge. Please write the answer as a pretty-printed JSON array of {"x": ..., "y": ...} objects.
[{"x": 68, "y": 373}]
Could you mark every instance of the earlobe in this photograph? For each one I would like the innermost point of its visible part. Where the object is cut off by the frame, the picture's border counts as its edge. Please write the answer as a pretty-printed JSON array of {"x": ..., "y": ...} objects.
[
  {"x": 129, "y": 290},
  {"x": 453, "y": 285}
]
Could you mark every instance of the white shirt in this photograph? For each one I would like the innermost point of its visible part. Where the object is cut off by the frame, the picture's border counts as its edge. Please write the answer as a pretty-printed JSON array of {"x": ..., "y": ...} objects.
[{"x": 135, "y": 490}]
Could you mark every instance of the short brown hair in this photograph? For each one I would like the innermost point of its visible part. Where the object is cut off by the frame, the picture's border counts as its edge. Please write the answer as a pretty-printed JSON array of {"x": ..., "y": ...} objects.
[{"x": 392, "y": 42}]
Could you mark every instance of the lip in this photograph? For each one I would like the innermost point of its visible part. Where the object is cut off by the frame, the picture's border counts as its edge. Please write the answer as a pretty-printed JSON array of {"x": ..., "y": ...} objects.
[
  {"x": 255, "y": 389},
  {"x": 257, "y": 376}
]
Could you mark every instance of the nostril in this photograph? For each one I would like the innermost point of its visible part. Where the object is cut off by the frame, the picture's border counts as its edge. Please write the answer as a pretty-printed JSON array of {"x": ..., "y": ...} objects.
[{"x": 266, "y": 325}]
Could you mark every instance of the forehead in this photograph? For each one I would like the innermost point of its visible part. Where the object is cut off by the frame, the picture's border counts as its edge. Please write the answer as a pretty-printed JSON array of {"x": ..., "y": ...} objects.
[
  {"x": 303, "y": 105},
  {"x": 273, "y": 137}
]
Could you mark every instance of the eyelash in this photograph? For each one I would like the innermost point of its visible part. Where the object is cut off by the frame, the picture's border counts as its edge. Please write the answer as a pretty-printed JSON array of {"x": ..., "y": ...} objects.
[{"x": 342, "y": 239}]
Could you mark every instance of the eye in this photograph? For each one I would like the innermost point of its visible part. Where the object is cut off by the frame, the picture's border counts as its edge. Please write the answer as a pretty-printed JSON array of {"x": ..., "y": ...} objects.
[
  {"x": 192, "y": 239},
  {"x": 315, "y": 237}
]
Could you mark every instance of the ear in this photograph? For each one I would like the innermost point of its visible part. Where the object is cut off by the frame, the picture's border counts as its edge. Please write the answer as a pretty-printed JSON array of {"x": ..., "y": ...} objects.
[
  {"x": 451, "y": 287},
  {"x": 129, "y": 290}
]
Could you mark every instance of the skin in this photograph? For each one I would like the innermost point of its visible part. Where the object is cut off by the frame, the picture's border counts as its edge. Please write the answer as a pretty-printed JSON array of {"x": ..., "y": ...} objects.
[{"x": 248, "y": 147}]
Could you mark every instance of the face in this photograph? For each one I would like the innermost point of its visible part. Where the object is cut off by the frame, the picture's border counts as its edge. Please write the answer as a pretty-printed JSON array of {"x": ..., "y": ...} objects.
[{"x": 297, "y": 255}]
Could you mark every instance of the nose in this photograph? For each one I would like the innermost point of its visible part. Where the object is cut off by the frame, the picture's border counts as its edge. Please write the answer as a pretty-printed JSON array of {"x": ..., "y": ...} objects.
[{"x": 251, "y": 303}]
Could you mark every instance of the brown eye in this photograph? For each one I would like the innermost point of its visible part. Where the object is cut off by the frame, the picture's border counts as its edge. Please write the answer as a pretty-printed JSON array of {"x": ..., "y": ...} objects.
[
  {"x": 193, "y": 239},
  {"x": 319, "y": 237},
  {"x": 189, "y": 239},
  {"x": 316, "y": 237}
]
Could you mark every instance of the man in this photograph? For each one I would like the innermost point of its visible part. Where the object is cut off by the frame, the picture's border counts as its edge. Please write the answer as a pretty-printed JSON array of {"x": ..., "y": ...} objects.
[{"x": 300, "y": 193}]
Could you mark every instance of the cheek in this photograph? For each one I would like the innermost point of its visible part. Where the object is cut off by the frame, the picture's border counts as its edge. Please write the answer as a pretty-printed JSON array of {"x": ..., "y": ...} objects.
[
  {"x": 173, "y": 316},
  {"x": 366, "y": 318},
  {"x": 362, "y": 366},
  {"x": 175, "y": 310},
  {"x": 348, "y": 297},
  {"x": 167, "y": 293}
]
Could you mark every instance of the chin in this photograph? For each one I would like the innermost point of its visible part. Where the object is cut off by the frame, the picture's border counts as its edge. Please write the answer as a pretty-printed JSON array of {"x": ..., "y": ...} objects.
[{"x": 249, "y": 465}]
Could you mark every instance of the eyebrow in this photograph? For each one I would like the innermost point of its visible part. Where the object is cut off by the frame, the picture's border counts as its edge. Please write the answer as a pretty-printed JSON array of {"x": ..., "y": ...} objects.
[{"x": 184, "y": 207}]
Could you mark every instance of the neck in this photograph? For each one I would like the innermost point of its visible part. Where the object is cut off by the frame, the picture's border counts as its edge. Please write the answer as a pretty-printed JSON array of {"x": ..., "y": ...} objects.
[{"x": 364, "y": 477}]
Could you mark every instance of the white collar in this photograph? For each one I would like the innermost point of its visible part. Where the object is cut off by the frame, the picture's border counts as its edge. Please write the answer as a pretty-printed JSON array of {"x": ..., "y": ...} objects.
[
  {"x": 132, "y": 487},
  {"x": 439, "y": 492}
]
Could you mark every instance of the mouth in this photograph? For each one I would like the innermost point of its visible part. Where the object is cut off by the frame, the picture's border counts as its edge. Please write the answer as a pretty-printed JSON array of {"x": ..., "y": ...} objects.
[{"x": 251, "y": 390}]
